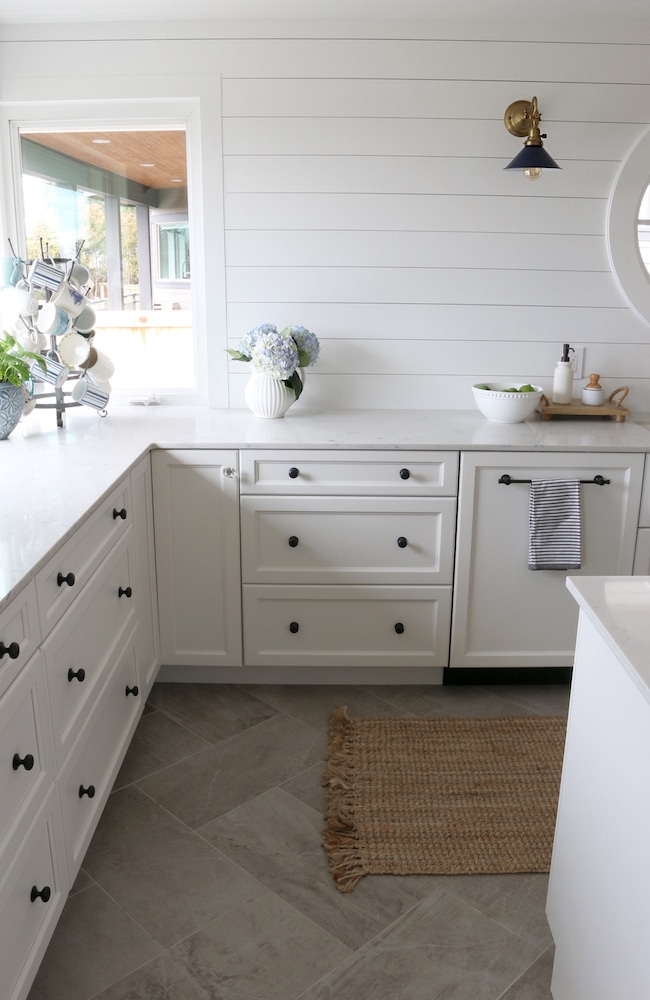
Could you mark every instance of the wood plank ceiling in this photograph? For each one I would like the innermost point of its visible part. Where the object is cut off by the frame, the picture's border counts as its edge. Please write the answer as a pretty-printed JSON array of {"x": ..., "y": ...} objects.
[{"x": 153, "y": 158}]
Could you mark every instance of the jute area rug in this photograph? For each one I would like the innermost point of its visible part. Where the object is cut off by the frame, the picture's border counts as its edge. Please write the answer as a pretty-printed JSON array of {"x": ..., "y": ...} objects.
[{"x": 441, "y": 796}]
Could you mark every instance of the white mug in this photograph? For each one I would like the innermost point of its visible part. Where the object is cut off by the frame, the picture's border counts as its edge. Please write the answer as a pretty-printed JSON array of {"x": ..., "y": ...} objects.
[
  {"x": 84, "y": 391},
  {"x": 18, "y": 300},
  {"x": 80, "y": 275},
  {"x": 70, "y": 298},
  {"x": 52, "y": 320},
  {"x": 98, "y": 366},
  {"x": 74, "y": 349},
  {"x": 85, "y": 321}
]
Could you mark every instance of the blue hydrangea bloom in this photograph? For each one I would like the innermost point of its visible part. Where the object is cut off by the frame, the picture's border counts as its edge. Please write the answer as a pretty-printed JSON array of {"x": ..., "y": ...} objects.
[
  {"x": 247, "y": 342},
  {"x": 307, "y": 343},
  {"x": 274, "y": 353}
]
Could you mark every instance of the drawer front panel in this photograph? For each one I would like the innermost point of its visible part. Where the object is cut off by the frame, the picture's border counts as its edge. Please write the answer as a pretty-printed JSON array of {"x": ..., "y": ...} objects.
[
  {"x": 81, "y": 646},
  {"x": 393, "y": 473},
  {"x": 26, "y": 924},
  {"x": 362, "y": 626},
  {"x": 347, "y": 540},
  {"x": 26, "y": 765},
  {"x": 19, "y": 635},
  {"x": 93, "y": 763},
  {"x": 64, "y": 576}
]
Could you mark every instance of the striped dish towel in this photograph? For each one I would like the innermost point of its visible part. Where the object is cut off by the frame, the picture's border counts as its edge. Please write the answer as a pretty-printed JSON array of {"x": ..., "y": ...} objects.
[{"x": 554, "y": 539}]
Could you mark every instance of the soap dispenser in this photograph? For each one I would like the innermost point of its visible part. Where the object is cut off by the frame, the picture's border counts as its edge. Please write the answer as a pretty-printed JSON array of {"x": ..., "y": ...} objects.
[
  {"x": 563, "y": 377},
  {"x": 593, "y": 394}
]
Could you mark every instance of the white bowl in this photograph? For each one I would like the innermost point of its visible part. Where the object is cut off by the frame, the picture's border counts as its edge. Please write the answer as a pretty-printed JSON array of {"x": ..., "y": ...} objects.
[{"x": 506, "y": 407}]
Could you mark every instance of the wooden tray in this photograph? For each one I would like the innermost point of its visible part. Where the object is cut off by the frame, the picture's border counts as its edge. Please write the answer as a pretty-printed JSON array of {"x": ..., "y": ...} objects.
[{"x": 576, "y": 408}]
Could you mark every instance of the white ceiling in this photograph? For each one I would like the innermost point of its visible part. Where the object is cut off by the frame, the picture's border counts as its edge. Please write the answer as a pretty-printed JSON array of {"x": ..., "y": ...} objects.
[{"x": 49, "y": 11}]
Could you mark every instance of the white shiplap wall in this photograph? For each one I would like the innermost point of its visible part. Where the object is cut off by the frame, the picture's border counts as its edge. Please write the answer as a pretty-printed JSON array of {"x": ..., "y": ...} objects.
[
  {"x": 361, "y": 193},
  {"x": 365, "y": 199}
]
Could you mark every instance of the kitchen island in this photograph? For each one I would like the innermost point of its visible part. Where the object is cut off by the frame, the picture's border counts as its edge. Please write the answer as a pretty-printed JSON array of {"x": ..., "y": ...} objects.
[{"x": 599, "y": 890}]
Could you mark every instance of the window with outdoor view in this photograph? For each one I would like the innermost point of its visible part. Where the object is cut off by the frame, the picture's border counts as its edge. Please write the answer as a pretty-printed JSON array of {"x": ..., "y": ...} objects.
[{"x": 117, "y": 201}]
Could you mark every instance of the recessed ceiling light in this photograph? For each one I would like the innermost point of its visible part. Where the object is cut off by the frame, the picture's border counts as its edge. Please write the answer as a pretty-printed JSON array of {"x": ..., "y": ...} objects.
[
  {"x": 101, "y": 142},
  {"x": 177, "y": 180},
  {"x": 147, "y": 164}
]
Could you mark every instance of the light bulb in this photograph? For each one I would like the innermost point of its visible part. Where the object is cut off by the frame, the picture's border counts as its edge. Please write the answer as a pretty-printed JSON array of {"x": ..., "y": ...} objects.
[{"x": 532, "y": 173}]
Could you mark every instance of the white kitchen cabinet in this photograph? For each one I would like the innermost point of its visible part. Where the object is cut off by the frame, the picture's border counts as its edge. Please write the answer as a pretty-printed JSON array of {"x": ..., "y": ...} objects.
[
  {"x": 505, "y": 615},
  {"x": 347, "y": 559},
  {"x": 33, "y": 891},
  {"x": 196, "y": 526},
  {"x": 70, "y": 698},
  {"x": 144, "y": 569},
  {"x": 86, "y": 779}
]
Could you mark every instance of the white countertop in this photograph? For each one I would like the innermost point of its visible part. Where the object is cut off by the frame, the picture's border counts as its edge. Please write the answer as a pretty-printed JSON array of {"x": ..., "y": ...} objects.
[
  {"x": 619, "y": 607},
  {"x": 53, "y": 477}
]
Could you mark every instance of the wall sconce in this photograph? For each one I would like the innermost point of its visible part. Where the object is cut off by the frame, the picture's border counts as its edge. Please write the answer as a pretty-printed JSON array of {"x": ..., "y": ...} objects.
[{"x": 523, "y": 118}]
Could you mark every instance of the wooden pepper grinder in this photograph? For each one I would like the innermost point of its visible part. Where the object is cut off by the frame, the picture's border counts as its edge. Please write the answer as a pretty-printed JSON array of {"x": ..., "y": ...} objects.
[{"x": 593, "y": 394}]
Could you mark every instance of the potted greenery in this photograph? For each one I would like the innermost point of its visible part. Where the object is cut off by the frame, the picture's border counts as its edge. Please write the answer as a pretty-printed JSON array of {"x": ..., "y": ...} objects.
[{"x": 14, "y": 376}]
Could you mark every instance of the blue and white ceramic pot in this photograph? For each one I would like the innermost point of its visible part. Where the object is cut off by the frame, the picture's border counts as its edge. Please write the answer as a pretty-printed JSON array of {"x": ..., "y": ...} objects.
[{"x": 12, "y": 402}]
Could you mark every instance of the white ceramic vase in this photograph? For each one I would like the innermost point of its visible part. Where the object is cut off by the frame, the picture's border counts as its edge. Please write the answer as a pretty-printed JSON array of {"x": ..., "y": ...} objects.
[{"x": 268, "y": 397}]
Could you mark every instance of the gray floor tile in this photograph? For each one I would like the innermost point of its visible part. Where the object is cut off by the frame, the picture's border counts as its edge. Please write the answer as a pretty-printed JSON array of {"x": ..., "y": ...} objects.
[
  {"x": 168, "y": 878},
  {"x": 308, "y": 787},
  {"x": 314, "y": 703},
  {"x": 444, "y": 948},
  {"x": 165, "y": 978},
  {"x": 261, "y": 949},
  {"x": 212, "y": 711},
  {"x": 542, "y": 699},
  {"x": 459, "y": 700},
  {"x": 94, "y": 944},
  {"x": 157, "y": 742},
  {"x": 279, "y": 841},
  {"x": 82, "y": 881},
  {"x": 517, "y": 902},
  {"x": 535, "y": 983},
  {"x": 224, "y": 776}
]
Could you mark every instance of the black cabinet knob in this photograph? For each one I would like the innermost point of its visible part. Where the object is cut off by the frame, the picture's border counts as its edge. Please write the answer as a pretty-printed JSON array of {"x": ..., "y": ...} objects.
[
  {"x": 43, "y": 893},
  {"x": 293, "y": 472},
  {"x": 135, "y": 690},
  {"x": 12, "y": 650},
  {"x": 68, "y": 578},
  {"x": 399, "y": 628},
  {"x": 404, "y": 474},
  {"x": 119, "y": 513},
  {"x": 293, "y": 541},
  {"x": 124, "y": 592},
  {"x": 27, "y": 761},
  {"x": 401, "y": 541},
  {"x": 294, "y": 627},
  {"x": 76, "y": 675},
  {"x": 90, "y": 791}
]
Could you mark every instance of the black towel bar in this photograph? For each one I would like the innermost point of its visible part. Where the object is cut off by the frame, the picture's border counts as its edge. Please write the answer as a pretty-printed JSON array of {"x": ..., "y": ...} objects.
[{"x": 506, "y": 480}]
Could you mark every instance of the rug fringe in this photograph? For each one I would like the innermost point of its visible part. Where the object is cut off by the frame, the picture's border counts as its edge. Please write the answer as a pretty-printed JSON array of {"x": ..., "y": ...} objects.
[{"x": 340, "y": 836}]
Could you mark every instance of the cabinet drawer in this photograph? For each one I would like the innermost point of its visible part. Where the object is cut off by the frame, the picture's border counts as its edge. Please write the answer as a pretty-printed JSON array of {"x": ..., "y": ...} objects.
[
  {"x": 81, "y": 648},
  {"x": 19, "y": 635},
  {"x": 346, "y": 626},
  {"x": 86, "y": 779},
  {"x": 26, "y": 768},
  {"x": 26, "y": 923},
  {"x": 392, "y": 473},
  {"x": 63, "y": 578},
  {"x": 348, "y": 540}
]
